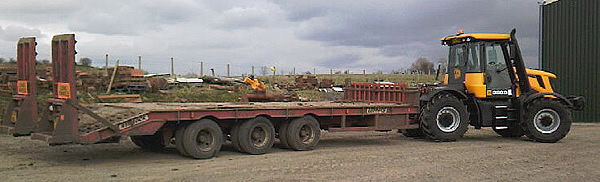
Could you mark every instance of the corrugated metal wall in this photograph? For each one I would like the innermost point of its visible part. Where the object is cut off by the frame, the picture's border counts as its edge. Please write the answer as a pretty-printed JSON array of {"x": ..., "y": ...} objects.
[{"x": 571, "y": 50}]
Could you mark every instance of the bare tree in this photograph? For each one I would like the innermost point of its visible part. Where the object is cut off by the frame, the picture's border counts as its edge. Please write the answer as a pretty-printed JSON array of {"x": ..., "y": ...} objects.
[
  {"x": 2, "y": 60},
  {"x": 264, "y": 70},
  {"x": 422, "y": 65},
  {"x": 443, "y": 62},
  {"x": 85, "y": 62}
]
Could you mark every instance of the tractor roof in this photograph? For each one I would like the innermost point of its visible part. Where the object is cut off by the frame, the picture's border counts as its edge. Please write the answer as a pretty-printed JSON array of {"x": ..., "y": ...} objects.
[
  {"x": 462, "y": 37},
  {"x": 480, "y": 36}
]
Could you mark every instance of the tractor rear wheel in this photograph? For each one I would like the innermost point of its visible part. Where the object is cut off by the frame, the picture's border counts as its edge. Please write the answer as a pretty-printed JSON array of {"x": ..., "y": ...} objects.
[
  {"x": 444, "y": 118},
  {"x": 546, "y": 120}
]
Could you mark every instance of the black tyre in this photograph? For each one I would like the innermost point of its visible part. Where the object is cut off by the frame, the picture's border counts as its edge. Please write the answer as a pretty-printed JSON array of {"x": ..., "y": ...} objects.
[
  {"x": 203, "y": 139},
  {"x": 149, "y": 142},
  {"x": 179, "y": 140},
  {"x": 283, "y": 139},
  {"x": 513, "y": 131},
  {"x": 412, "y": 132},
  {"x": 256, "y": 136},
  {"x": 303, "y": 133},
  {"x": 234, "y": 133},
  {"x": 546, "y": 120},
  {"x": 444, "y": 119}
]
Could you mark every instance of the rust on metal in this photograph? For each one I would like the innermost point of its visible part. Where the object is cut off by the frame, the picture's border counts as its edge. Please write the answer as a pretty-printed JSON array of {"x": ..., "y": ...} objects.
[{"x": 21, "y": 114}]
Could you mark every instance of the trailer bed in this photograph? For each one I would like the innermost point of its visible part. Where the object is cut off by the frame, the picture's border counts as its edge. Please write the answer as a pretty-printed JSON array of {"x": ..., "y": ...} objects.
[{"x": 119, "y": 113}]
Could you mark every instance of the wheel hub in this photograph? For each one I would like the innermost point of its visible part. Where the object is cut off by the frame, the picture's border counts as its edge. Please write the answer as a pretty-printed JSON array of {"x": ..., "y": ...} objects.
[
  {"x": 306, "y": 134},
  {"x": 546, "y": 121},
  {"x": 448, "y": 119},
  {"x": 259, "y": 137},
  {"x": 205, "y": 140}
]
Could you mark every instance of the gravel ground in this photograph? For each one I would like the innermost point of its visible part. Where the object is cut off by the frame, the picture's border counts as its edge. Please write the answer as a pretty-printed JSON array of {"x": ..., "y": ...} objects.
[{"x": 352, "y": 156}]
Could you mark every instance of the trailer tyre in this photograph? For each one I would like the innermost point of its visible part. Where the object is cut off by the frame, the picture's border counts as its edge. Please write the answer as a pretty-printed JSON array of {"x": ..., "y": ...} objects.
[
  {"x": 179, "y": 140},
  {"x": 149, "y": 142},
  {"x": 546, "y": 120},
  {"x": 235, "y": 140},
  {"x": 283, "y": 139},
  {"x": 256, "y": 136},
  {"x": 203, "y": 139},
  {"x": 303, "y": 133},
  {"x": 444, "y": 119}
]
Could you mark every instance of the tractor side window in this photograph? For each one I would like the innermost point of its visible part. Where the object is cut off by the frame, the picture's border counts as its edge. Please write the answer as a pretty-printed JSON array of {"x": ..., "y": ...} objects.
[
  {"x": 473, "y": 59},
  {"x": 495, "y": 56},
  {"x": 456, "y": 56}
]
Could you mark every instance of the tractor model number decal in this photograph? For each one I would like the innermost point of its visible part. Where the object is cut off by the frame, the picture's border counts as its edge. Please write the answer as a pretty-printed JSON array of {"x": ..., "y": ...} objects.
[
  {"x": 133, "y": 121},
  {"x": 502, "y": 92},
  {"x": 377, "y": 110}
]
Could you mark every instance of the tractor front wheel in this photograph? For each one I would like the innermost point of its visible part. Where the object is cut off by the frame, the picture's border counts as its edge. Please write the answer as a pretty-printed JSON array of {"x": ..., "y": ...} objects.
[{"x": 546, "y": 120}]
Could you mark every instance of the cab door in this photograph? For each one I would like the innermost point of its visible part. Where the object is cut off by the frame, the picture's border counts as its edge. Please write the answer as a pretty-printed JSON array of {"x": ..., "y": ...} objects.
[
  {"x": 456, "y": 66},
  {"x": 497, "y": 78}
]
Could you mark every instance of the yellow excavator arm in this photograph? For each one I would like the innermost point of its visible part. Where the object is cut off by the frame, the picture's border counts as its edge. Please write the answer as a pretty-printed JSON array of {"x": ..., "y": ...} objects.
[{"x": 255, "y": 84}]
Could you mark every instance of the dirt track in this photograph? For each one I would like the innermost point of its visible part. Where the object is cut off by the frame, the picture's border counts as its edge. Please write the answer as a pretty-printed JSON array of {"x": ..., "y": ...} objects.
[{"x": 355, "y": 156}]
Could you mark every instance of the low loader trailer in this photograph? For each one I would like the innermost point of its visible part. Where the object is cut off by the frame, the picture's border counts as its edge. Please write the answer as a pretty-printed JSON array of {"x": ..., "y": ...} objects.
[
  {"x": 485, "y": 86},
  {"x": 197, "y": 130}
]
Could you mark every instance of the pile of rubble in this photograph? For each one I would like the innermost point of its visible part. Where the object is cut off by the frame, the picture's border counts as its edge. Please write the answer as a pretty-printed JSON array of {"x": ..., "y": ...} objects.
[{"x": 310, "y": 82}]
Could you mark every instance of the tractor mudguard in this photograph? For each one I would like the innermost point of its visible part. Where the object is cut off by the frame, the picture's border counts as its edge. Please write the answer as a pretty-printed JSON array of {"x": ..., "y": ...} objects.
[
  {"x": 567, "y": 102},
  {"x": 426, "y": 97}
]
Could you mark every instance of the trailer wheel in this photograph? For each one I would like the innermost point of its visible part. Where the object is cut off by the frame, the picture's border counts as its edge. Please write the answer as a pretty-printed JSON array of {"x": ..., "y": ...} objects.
[
  {"x": 149, "y": 142},
  {"x": 235, "y": 140},
  {"x": 303, "y": 133},
  {"x": 412, "y": 132},
  {"x": 256, "y": 135},
  {"x": 513, "y": 130},
  {"x": 546, "y": 121},
  {"x": 444, "y": 119},
  {"x": 283, "y": 139},
  {"x": 202, "y": 139},
  {"x": 179, "y": 140}
]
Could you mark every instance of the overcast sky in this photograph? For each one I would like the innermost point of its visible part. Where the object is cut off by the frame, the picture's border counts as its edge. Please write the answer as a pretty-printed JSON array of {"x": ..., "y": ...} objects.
[{"x": 373, "y": 35}]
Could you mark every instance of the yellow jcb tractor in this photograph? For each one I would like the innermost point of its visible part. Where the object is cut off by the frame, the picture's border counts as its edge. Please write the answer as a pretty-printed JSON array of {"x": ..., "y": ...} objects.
[{"x": 487, "y": 85}]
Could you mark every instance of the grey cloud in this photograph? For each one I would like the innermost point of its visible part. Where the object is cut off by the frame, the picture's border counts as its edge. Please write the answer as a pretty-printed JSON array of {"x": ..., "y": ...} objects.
[
  {"x": 341, "y": 61},
  {"x": 384, "y": 25},
  {"x": 13, "y": 33}
]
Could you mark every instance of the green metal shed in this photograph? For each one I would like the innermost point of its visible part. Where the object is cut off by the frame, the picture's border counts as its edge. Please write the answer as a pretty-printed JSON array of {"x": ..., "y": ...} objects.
[{"x": 570, "y": 48}]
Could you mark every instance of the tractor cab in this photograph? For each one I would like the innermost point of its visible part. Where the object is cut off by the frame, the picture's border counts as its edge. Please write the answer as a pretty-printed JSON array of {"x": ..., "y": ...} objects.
[{"x": 477, "y": 63}]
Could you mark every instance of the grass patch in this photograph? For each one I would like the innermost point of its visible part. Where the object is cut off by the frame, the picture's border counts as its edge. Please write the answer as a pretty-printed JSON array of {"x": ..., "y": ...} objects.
[{"x": 194, "y": 94}]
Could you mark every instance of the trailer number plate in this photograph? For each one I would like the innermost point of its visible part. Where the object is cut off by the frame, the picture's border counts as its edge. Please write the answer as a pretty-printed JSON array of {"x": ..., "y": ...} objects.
[
  {"x": 64, "y": 90},
  {"x": 133, "y": 121},
  {"x": 377, "y": 110},
  {"x": 22, "y": 87}
]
